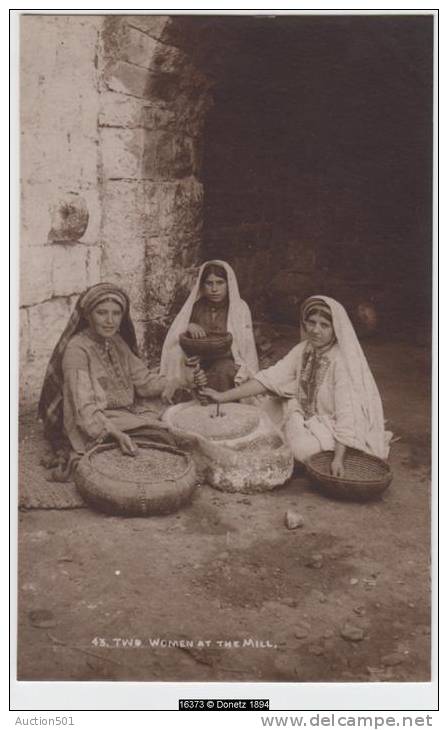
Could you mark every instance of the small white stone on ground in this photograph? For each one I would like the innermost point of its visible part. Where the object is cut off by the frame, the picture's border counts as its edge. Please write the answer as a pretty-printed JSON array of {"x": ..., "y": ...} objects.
[
  {"x": 293, "y": 519},
  {"x": 316, "y": 560},
  {"x": 350, "y": 632},
  {"x": 360, "y": 610},
  {"x": 316, "y": 650},
  {"x": 319, "y": 595},
  {"x": 301, "y": 631}
]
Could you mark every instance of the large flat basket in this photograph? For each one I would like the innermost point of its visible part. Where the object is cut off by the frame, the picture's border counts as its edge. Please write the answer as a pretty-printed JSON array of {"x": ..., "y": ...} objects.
[
  {"x": 151, "y": 486},
  {"x": 366, "y": 477}
]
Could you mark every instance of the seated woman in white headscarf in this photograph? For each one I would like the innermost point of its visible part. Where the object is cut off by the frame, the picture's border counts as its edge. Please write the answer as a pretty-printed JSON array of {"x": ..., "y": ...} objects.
[
  {"x": 214, "y": 306},
  {"x": 328, "y": 396}
]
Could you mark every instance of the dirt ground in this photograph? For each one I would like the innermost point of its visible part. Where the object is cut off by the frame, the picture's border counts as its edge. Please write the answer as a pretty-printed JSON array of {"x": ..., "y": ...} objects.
[{"x": 223, "y": 591}]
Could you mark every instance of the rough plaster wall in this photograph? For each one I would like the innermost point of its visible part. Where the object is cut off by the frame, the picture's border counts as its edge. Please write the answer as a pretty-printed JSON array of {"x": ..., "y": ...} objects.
[
  {"x": 59, "y": 104},
  {"x": 111, "y": 120},
  {"x": 153, "y": 104}
]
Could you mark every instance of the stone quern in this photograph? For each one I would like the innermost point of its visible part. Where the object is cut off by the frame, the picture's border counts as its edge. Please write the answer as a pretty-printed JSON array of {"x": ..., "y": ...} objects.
[{"x": 249, "y": 457}]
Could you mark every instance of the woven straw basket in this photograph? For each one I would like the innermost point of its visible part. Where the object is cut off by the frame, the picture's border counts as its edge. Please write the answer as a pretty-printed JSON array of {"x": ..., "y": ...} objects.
[
  {"x": 366, "y": 477},
  {"x": 138, "y": 496}
]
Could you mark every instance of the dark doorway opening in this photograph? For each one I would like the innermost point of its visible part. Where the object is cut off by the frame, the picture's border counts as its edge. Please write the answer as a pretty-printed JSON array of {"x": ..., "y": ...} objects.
[{"x": 317, "y": 163}]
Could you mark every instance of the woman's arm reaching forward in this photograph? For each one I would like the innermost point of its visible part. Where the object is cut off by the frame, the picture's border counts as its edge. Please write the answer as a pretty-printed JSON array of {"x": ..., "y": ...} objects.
[{"x": 252, "y": 387}]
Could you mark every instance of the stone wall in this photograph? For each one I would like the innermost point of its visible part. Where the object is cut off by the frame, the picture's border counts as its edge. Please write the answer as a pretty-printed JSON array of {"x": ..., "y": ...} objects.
[
  {"x": 111, "y": 122},
  {"x": 60, "y": 198},
  {"x": 151, "y": 142},
  {"x": 153, "y": 103}
]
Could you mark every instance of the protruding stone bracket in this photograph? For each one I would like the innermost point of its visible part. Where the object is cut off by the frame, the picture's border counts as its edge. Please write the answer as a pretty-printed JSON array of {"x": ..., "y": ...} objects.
[{"x": 69, "y": 219}]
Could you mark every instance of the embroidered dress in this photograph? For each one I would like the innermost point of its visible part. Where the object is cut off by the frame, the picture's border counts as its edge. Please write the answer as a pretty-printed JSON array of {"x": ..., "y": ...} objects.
[
  {"x": 101, "y": 380},
  {"x": 315, "y": 364},
  {"x": 212, "y": 317},
  {"x": 315, "y": 415},
  {"x": 91, "y": 382},
  {"x": 328, "y": 395},
  {"x": 50, "y": 407}
]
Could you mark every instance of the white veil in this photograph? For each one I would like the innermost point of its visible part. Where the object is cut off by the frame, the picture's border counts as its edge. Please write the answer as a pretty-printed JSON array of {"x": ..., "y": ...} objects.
[
  {"x": 239, "y": 323},
  {"x": 369, "y": 417}
]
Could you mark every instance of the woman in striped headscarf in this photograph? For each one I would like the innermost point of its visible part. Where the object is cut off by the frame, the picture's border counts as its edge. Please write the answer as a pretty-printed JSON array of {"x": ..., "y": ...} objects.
[
  {"x": 93, "y": 378},
  {"x": 329, "y": 398}
]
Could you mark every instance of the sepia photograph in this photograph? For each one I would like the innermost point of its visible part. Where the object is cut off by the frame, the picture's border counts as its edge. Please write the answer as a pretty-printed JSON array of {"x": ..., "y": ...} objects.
[{"x": 226, "y": 286}]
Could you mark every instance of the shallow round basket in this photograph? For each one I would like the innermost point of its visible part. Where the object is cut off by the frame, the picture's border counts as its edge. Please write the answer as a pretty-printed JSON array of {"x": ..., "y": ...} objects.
[
  {"x": 213, "y": 346},
  {"x": 136, "y": 489},
  {"x": 366, "y": 477}
]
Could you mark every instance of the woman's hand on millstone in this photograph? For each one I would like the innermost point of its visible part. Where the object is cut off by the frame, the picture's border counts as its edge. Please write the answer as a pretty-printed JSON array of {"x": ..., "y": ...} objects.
[{"x": 214, "y": 395}]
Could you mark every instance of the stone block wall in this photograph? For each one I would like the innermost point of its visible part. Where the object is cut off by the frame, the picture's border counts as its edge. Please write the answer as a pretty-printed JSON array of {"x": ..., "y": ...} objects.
[
  {"x": 60, "y": 205},
  {"x": 111, "y": 121},
  {"x": 150, "y": 142},
  {"x": 152, "y": 107}
]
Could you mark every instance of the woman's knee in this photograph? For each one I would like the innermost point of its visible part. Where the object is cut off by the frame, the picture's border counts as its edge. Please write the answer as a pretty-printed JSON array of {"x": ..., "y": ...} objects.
[{"x": 301, "y": 442}]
